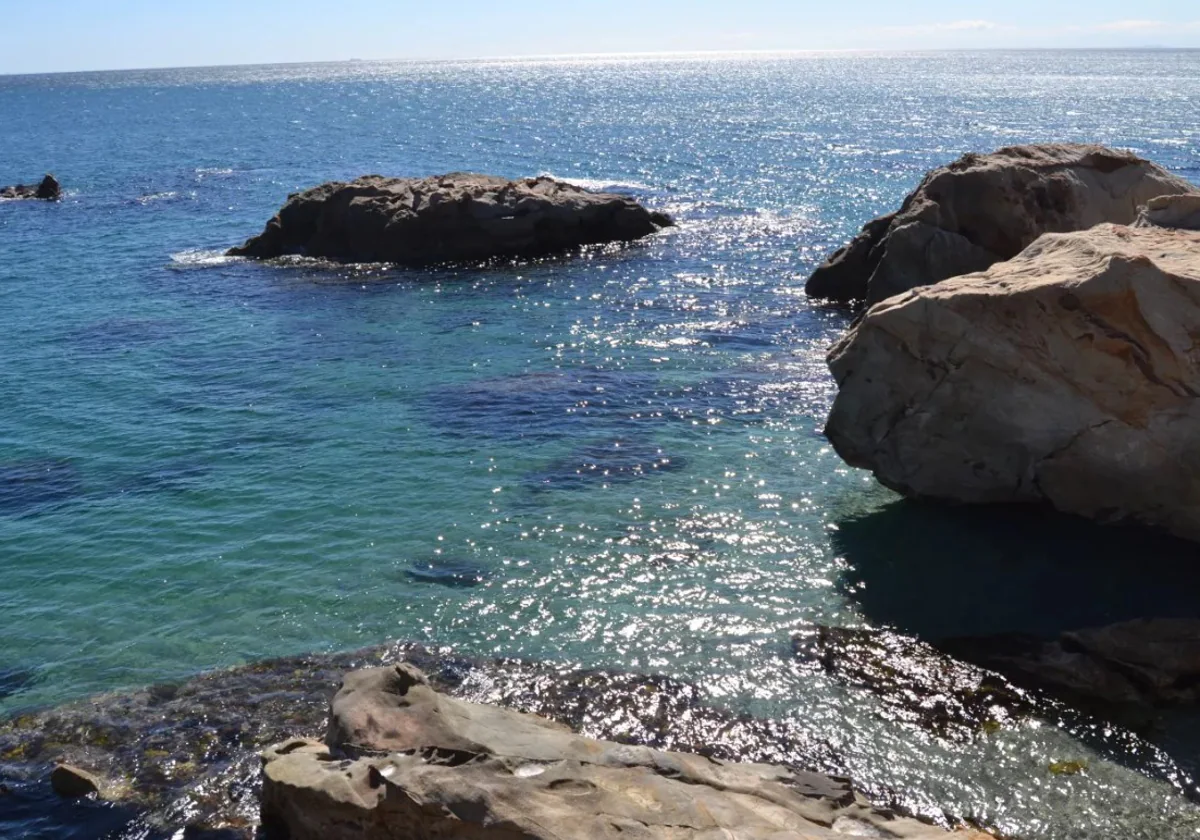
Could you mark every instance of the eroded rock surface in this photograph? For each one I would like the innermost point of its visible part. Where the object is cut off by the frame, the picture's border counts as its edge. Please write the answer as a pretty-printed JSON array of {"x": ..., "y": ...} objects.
[
  {"x": 1068, "y": 376},
  {"x": 460, "y": 217},
  {"x": 983, "y": 209},
  {"x": 48, "y": 189},
  {"x": 431, "y": 766}
]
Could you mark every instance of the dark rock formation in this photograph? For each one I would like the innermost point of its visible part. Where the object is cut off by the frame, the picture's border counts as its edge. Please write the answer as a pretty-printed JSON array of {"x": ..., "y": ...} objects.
[
  {"x": 402, "y": 760},
  {"x": 47, "y": 190},
  {"x": 982, "y": 209},
  {"x": 459, "y": 217}
]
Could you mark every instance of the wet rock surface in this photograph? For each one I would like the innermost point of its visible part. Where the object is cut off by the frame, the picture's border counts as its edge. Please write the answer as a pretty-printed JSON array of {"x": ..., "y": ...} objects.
[
  {"x": 459, "y": 217},
  {"x": 48, "y": 189},
  {"x": 1066, "y": 377},
  {"x": 985, "y": 208},
  {"x": 186, "y": 754},
  {"x": 403, "y": 760}
]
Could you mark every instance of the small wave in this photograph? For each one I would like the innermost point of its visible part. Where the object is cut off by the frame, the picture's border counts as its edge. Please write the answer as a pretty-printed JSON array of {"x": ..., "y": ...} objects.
[
  {"x": 212, "y": 172},
  {"x": 201, "y": 258},
  {"x": 600, "y": 184},
  {"x": 153, "y": 197}
]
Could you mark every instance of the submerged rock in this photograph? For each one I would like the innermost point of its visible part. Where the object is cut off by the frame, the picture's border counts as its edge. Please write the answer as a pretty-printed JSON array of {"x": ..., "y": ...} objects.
[
  {"x": 422, "y": 764},
  {"x": 1067, "y": 377},
  {"x": 984, "y": 208},
  {"x": 48, "y": 189},
  {"x": 1122, "y": 671},
  {"x": 917, "y": 683},
  {"x": 460, "y": 217}
]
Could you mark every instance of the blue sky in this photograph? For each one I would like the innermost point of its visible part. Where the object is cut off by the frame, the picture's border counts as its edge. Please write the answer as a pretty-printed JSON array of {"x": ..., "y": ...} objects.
[{"x": 54, "y": 35}]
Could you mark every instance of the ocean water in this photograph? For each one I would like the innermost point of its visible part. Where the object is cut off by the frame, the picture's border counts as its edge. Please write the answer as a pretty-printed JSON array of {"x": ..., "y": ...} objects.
[{"x": 610, "y": 460}]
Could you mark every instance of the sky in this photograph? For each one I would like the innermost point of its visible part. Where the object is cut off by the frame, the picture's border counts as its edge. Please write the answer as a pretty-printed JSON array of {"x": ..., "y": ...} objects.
[{"x": 68, "y": 35}]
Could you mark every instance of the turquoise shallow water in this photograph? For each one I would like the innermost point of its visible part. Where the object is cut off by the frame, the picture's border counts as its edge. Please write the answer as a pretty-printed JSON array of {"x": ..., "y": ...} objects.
[{"x": 613, "y": 460}]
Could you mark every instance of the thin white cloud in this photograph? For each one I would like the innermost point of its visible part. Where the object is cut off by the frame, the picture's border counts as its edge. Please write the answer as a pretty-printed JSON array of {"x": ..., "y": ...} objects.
[
  {"x": 1127, "y": 26},
  {"x": 943, "y": 27}
]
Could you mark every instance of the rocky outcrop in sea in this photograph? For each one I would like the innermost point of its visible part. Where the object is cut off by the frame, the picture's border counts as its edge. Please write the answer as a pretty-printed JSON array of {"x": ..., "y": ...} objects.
[
  {"x": 985, "y": 208},
  {"x": 48, "y": 189},
  {"x": 459, "y": 217},
  {"x": 1067, "y": 377}
]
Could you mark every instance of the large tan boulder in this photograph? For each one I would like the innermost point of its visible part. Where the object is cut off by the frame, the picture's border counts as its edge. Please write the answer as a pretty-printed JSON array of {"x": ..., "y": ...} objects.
[
  {"x": 403, "y": 761},
  {"x": 459, "y": 217},
  {"x": 1068, "y": 376},
  {"x": 983, "y": 209}
]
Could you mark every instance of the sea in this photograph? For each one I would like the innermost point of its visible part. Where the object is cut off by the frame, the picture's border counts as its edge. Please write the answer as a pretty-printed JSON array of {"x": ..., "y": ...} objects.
[{"x": 612, "y": 459}]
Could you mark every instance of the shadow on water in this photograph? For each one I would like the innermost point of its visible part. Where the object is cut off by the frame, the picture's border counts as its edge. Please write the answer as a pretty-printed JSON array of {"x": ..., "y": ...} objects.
[
  {"x": 942, "y": 574},
  {"x": 940, "y": 571},
  {"x": 35, "y": 811}
]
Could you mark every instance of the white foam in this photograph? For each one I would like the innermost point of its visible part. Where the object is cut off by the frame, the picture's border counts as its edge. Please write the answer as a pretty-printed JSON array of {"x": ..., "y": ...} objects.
[
  {"x": 599, "y": 184},
  {"x": 201, "y": 258}
]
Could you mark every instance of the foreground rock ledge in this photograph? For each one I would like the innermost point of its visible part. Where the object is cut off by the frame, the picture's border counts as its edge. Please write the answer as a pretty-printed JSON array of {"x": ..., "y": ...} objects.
[
  {"x": 1068, "y": 376},
  {"x": 401, "y": 760},
  {"x": 982, "y": 209},
  {"x": 460, "y": 217}
]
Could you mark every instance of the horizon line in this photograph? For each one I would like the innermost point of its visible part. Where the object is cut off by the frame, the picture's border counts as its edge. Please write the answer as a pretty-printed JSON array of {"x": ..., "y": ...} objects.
[{"x": 659, "y": 54}]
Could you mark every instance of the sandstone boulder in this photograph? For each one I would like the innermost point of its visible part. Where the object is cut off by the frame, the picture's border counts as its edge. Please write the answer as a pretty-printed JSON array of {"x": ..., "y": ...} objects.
[
  {"x": 459, "y": 217},
  {"x": 1171, "y": 211},
  {"x": 1068, "y": 376},
  {"x": 48, "y": 189},
  {"x": 982, "y": 209},
  {"x": 429, "y": 766}
]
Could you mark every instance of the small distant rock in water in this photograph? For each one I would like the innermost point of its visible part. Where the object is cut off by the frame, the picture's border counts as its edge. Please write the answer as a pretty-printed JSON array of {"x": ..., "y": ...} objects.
[
  {"x": 459, "y": 217},
  {"x": 609, "y": 461},
  {"x": 453, "y": 572},
  {"x": 71, "y": 782},
  {"x": 30, "y": 486},
  {"x": 47, "y": 190}
]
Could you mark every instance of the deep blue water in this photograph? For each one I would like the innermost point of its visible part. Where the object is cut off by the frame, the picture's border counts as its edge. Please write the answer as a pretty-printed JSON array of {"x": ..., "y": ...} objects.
[{"x": 205, "y": 461}]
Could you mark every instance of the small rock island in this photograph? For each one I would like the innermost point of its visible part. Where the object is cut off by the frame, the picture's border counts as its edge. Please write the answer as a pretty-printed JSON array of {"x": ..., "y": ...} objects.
[
  {"x": 48, "y": 189},
  {"x": 459, "y": 217}
]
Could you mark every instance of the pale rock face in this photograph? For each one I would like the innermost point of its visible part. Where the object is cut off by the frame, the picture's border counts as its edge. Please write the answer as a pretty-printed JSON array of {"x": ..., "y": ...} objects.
[
  {"x": 430, "y": 766},
  {"x": 1171, "y": 211},
  {"x": 983, "y": 209},
  {"x": 1068, "y": 376},
  {"x": 459, "y": 217}
]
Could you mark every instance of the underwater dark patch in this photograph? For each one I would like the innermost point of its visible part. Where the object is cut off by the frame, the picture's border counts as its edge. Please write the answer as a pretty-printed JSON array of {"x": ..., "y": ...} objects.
[
  {"x": 605, "y": 462},
  {"x": 454, "y": 572},
  {"x": 34, "y": 486}
]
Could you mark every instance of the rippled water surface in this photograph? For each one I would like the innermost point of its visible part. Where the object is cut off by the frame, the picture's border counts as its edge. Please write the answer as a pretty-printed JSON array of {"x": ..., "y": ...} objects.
[{"x": 613, "y": 460}]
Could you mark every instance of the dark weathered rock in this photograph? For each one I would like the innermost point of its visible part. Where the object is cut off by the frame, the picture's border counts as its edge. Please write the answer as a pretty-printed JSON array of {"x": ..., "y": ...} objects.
[
  {"x": 460, "y": 217},
  {"x": 71, "y": 782},
  {"x": 982, "y": 209},
  {"x": 48, "y": 189},
  {"x": 426, "y": 765}
]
